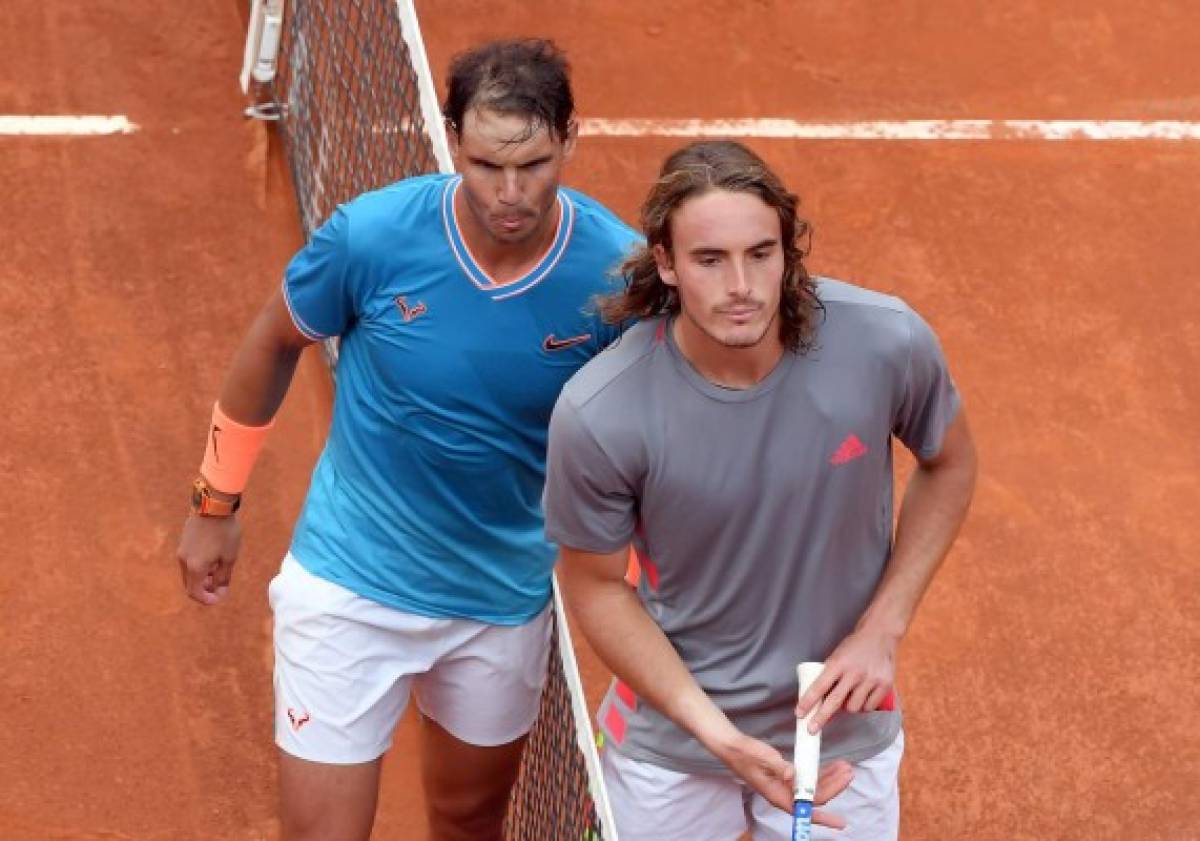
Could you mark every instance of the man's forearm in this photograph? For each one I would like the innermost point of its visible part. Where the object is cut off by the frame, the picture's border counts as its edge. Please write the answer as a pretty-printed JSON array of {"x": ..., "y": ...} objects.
[
  {"x": 629, "y": 642},
  {"x": 934, "y": 507}
]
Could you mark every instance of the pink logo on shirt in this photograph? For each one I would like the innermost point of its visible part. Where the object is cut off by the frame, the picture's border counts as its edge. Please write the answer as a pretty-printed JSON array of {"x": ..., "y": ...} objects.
[{"x": 849, "y": 450}]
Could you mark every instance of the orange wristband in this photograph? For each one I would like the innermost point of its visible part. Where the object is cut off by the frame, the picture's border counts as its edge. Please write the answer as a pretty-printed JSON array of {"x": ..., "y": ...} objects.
[{"x": 231, "y": 451}]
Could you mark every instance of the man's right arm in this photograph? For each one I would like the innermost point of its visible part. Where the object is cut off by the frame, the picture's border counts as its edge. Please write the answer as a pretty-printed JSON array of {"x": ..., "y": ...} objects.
[
  {"x": 611, "y": 616},
  {"x": 262, "y": 369},
  {"x": 254, "y": 388}
]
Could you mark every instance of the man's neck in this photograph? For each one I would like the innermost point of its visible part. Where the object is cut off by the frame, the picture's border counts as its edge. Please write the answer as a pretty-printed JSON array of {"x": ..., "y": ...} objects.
[
  {"x": 724, "y": 366},
  {"x": 504, "y": 261}
]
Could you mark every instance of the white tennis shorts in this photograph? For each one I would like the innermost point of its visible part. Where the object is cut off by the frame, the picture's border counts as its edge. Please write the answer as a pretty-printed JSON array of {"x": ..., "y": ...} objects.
[
  {"x": 345, "y": 666},
  {"x": 652, "y": 803}
]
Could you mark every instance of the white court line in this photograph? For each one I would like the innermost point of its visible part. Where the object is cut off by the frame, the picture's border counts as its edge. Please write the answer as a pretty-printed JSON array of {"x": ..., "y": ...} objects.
[
  {"x": 80, "y": 126},
  {"x": 899, "y": 129},
  {"x": 1091, "y": 130}
]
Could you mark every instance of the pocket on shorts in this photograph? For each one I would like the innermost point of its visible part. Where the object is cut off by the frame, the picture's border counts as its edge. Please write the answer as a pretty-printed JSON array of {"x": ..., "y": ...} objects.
[
  {"x": 305, "y": 607},
  {"x": 285, "y": 582},
  {"x": 295, "y": 586}
]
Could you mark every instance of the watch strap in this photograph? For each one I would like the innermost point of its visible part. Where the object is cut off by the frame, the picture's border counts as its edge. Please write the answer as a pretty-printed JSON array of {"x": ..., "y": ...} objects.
[{"x": 207, "y": 505}]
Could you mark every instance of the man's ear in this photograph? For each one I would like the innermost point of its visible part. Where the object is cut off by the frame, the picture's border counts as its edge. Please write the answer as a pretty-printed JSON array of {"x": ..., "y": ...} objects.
[
  {"x": 569, "y": 140},
  {"x": 666, "y": 268}
]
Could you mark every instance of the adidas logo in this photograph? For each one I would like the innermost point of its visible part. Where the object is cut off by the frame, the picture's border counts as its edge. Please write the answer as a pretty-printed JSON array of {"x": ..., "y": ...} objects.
[{"x": 849, "y": 450}]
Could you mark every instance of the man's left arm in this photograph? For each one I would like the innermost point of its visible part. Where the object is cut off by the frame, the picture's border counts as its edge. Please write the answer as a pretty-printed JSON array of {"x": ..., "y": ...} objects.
[{"x": 861, "y": 670}]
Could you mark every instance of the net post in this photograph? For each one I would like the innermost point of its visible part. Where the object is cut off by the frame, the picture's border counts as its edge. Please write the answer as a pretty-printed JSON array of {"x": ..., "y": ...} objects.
[
  {"x": 250, "y": 53},
  {"x": 410, "y": 30},
  {"x": 264, "y": 33},
  {"x": 268, "y": 42}
]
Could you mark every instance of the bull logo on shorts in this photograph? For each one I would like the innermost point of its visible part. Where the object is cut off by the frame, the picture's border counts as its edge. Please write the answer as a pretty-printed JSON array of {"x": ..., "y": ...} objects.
[{"x": 298, "y": 720}]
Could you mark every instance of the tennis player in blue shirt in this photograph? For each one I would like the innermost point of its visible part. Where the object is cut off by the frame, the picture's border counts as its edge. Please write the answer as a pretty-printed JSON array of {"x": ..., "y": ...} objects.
[{"x": 418, "y": 566}]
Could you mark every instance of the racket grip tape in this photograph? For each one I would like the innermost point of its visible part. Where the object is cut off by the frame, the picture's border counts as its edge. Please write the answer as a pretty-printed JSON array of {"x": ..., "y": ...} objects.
[
  {"x": 808, "y": 745},
  {"x": 807, "y": 758}
]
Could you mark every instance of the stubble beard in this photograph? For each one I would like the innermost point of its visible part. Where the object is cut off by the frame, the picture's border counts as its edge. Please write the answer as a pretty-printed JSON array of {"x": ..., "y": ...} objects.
[{"x": 734, "y": 343}]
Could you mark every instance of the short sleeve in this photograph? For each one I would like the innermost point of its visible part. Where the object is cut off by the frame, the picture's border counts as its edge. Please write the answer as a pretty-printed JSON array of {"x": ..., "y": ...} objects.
[
  {"x": 589, "y": 506},
  {"x": 930, "y": 401},
  {"x": 316, "y": 285}
]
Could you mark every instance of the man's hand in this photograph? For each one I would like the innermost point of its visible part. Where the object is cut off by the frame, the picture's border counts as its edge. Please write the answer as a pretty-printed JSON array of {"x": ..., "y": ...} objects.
[
  {"x": 831, "y": 781},
  {"x": 207, "y": 552},
  {"x": 765, "y": 770},
  {"x": 858, "y": 675}
]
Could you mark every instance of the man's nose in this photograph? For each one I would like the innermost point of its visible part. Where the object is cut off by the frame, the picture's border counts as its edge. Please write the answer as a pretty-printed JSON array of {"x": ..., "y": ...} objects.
[
  {"x": 510, "y": 187},
  {"x": 738, "y": 282}
]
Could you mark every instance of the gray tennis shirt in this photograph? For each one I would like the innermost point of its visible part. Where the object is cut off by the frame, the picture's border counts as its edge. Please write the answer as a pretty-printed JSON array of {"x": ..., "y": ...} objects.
[{"x": 763, "y": 516}]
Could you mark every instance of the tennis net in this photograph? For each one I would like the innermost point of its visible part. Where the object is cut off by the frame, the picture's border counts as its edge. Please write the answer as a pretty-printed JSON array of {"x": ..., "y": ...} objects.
[{"x": 349, "y": 86}]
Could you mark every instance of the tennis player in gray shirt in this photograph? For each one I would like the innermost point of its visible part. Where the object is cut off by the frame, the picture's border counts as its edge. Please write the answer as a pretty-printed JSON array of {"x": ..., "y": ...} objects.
[{"x": 740, "y": 437}]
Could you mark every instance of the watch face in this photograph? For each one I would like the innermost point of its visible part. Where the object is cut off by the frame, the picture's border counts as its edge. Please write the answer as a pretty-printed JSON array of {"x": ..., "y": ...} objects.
[
  {"x": 206, "y": 505},
  {"x": 197, "y": 495}
]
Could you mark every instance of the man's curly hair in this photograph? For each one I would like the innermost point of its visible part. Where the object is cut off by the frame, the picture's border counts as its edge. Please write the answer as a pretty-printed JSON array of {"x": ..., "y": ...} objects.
[{"x": 692, "y": 171}]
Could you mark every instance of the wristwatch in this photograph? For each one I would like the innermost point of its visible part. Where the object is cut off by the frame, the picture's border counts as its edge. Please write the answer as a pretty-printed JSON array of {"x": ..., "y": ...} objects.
[{"x": 207, "y": 505}]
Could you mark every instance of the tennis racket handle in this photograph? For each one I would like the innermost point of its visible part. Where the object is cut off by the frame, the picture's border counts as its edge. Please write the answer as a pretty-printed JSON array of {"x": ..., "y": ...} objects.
[
  {"x": 802, "y": 820},
  {"x": 808, "y": 745}
]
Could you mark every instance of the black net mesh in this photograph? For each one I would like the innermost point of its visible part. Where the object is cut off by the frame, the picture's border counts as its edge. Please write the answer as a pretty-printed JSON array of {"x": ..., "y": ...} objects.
[
  {"x": 552, "y": 798},
  {"x": 349, "y": 106},
  {"x": 349, "y": 114}
]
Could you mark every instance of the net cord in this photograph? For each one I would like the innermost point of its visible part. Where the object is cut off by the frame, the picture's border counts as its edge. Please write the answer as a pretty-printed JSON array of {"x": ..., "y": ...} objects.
[
  {"x": 435, "y": 126},
  {"x": 583, "y": 722}
]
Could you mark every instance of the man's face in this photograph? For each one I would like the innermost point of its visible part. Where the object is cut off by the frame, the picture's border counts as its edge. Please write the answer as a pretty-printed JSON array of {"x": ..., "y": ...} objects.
[
  {"x": 727, "y": 266},
  {"x": 510, "y": 187}
]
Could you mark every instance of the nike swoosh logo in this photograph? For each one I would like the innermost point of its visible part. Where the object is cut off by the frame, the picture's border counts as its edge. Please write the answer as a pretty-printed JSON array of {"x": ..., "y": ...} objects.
[{"x": 550, "y": 343}]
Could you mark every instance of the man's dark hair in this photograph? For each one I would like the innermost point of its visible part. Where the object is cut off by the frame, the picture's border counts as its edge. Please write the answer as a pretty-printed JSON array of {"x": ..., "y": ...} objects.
[
  {"x": 529, "y": 77},
  {"x": 693, "y": 171}
]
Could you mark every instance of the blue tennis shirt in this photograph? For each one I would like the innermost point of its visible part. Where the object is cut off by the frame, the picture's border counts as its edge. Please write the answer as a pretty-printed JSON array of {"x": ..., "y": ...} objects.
[{"x": 427, "y": 496}]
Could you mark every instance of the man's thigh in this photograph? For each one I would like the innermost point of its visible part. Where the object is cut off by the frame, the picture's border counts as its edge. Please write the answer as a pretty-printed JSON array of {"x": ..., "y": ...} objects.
[
  {"x": 467, "y": 787},
  {"x": 478, "y": 702},
  {"x": 344, "y": 670},
  {"x": 486, "y": 690},
  {"x": 651, "y": 803},
  {"x": 344, "y": 667},
  {"x": 870, "y": 804},
  {"x": 324, "y": 802}
]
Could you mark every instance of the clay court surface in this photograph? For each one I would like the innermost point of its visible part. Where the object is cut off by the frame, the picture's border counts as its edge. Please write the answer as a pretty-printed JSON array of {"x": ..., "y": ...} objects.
[{"x": 1050, "y": 679}]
